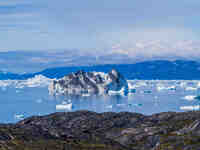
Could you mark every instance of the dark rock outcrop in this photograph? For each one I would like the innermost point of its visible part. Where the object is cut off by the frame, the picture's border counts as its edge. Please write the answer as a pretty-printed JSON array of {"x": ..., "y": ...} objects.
[
  {"x": 89, "y": 82},
  {"x": 106, "y": 131}
]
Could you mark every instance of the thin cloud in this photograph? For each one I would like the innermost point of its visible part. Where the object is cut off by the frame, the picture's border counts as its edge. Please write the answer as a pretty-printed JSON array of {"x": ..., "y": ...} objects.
[{"x": 160, "y": 49}]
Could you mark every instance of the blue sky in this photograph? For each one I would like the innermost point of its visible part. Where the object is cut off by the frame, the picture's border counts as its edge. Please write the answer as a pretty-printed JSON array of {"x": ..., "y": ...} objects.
[{"x": 148, "y": 28}]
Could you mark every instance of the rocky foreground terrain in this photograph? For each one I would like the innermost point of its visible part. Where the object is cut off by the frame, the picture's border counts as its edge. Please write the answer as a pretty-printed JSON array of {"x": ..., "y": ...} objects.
[{"x": 84, "y": 130}]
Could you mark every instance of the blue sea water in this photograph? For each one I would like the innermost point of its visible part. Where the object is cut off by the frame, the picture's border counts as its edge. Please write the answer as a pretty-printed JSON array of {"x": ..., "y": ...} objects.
[
  {"x": 25, "y": 95},
  {"x": 147, "y": 97}
]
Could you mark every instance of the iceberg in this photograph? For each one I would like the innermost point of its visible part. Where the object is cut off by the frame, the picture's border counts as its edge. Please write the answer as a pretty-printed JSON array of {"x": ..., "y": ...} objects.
[
  {"x": 109, "y": 107},
  {"x": 191, "y": 89},
  {"x": 189, "y": 108},
  {"x": 64, "y": 106},
  {"x": 120, "y": 92},
  {"x": 37, "y": 81},
  {"x": 83, "y": 83},
  {"x": 19, "y": 116},
  {"x": 162, "y": 87},
  {"x": 189, "y": 97}
]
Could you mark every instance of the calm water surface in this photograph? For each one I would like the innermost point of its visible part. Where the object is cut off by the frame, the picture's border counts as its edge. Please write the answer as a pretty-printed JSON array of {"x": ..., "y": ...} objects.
[{"x": 148, "y": 97}]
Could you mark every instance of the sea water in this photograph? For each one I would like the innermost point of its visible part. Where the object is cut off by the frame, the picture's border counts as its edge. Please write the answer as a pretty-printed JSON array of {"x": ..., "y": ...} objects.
[{"x": 22, "y": 99}]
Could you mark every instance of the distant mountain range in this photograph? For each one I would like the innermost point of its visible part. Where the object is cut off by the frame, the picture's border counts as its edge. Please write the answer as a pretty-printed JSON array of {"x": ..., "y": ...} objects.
[{"x": 147, "y": 70}]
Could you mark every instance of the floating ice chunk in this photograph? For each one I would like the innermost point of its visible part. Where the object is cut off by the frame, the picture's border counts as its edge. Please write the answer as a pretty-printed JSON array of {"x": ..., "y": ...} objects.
[
  {"x": 147, "y": 91},
  {"x": 161, "y": 87},
  {"x": 183, "y": 84},
  {"x": 136, "y": 84},
  {"x": 155, "y": 97},
  {"x": 173, "y": 88},
  {"x": 5, "y": 83},
  {"x": 137, "y": 105},
  {"x": 109, "y": 106},
  {"x": 120, "y": 92},
  {"x": 198, "y": 84},
  {"x": 64, "y": 106},
  {"x": 37, "y": 81},
  {"x": 17, "y": 91},
  {"x": 39, "y": 101},
  {"x": 102, "y": 74},
  {"x": 195, "y": 107},
  {"x": 191, "y": 89},
  {"x": 86, "y": 95},
  {"x": 130, "y": 94},
  {"x": 189, "y": 97},
  {"x": 197, "y": 97},
  {"x": 19, "y": 116},
  {"x": 132, "y": 90},
  {"x": 131, "y": 85},
  {"x": 121, "y": 105},
  {"x": 3, "y": 88},
  {"x": 140, "y": 105}
]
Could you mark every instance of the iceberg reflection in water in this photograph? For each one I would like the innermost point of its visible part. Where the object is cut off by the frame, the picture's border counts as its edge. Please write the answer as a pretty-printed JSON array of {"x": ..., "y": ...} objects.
[{"x": 19, "y": 99}]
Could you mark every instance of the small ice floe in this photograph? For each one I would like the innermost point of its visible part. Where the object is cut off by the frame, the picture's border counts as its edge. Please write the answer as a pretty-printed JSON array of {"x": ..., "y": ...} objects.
[
  {"x": 191, "y": 89},
  {"x": 86, "y": 95},
  {"x": 17, "y": 91},
  {"x": 130, "y": 94},
  {"x": 19, "y": 116},
  {"x": 198, "y": 84},
  {"x": 132, "y": 84},
  {"x": 195, "y": 107},
  {"x": 3, "y": 88},
  {"x": 120, "y": 92},
  {"x": 136, "y": 105},
  {"x": 155, "y": 97},
  {"x": 147, "y": 91},
  {"x": 64, "y": 106},
  {"x": 121, "y": 105},
  {"x": 197, "y": 97},
  {"x": 183, "y": 84},
  {"x": 39, "y": 101},
  {"x": 109, "y": 107},
  {"x": 132, "y": 90},
  {"x": 189, "y": 97},
  {"x": 160, "y": 88},
  {"x": 171, "y": 88}
]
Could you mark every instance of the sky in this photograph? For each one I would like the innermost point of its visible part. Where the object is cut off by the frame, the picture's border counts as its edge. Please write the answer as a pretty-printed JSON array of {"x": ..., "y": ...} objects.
[{"x": 136, "y": 28}]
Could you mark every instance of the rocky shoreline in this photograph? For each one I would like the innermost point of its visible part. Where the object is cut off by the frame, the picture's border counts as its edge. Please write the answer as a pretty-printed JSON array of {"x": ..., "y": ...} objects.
[{"x": 85, "y": 130}]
